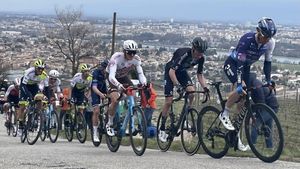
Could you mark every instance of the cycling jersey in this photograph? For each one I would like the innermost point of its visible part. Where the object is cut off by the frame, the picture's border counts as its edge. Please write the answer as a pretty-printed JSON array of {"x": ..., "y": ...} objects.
[
  {"x": 246, "y": 53},
  {"x": 49, "y": 87},
  {"x": 99, "y": 82},
  {"x": 29, "y": 83},
  {"x": 12, "y": 94},
  {"x": 30, "y": 78},
  {"x": 119, "y": 67},
  {"x": 182, "y": 60},
  {"x": 79, "y": 83}
]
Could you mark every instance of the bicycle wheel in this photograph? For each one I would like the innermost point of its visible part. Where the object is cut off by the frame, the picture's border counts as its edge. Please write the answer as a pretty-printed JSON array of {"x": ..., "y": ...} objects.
[
  {"x": 81, "y": 127},
  {"x": 138, "y": 131},
  {"x": 161, "y": 145},
  {"x": 43, "y": 133},
  {"x": 68, "y": 126},
  {"x": 9, "y": 127},
  {"x": 211, "y": 132},
  {"x": 15, "y": 124},
  {"x": 113, "y": 142},
  {"x": 264, "y": 133},
  {"x": 33, "y": 128},
  {"x": 53, "y": 127},
  {"x": 189, "y": 136}
]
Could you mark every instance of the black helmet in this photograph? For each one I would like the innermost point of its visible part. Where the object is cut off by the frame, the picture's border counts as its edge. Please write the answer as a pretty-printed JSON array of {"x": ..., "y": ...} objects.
[
  {"x": 267, "y": 27},
  {"x": 199, "y": 44},
  {"x": 104, "y": 63}
]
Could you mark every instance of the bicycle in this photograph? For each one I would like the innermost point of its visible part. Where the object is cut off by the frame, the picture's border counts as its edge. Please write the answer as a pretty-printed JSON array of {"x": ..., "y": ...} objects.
[
  {"x": 32, "y": 126},
  {"x": 102, "y": 116},
  {"x": 11, "y": 121},
  {"x": 185, "y": 125},
  {"x": 216, "y": 140},
  {"x": 134, "y": 119},
  {"x": 75, "y": 121},
  {"x": 49, "y": 124}
]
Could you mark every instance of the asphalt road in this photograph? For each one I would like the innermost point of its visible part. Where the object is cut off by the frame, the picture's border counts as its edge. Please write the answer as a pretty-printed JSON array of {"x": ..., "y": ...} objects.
[{"x": 14, "y": 154}]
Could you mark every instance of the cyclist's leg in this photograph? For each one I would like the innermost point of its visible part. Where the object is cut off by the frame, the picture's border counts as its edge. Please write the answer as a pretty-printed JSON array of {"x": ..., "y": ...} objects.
[
  {"x": 95, "y": 119},
  {"x": 186, "y": 81},
  {"x": 6, "y": 113}
]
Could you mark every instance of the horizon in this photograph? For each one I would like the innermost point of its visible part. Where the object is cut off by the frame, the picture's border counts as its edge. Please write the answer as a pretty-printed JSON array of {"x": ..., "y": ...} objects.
[{"x": 188, "y": 10}]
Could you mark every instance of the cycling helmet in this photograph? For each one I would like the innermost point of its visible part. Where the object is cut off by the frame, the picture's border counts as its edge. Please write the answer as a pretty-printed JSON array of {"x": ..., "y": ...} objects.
[
  {"x": 54, "y": 74},
  {"x": 130, "y": 45},
  {"x": 17, "y": 81},
  {"x": 104, "y": 63},
  {"x": 39, "y": 63},
  {"x": 84, "y": 67},
  {"x": 199, "y": 44},
  {"x": 267, "y": 27}
]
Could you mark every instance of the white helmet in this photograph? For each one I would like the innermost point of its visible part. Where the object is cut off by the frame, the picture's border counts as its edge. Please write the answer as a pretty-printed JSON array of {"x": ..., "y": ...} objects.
[
  {"x": 130, "y": 45},
  {"x": 54, "y": 73},
  {"x": 17, "y": 81}
]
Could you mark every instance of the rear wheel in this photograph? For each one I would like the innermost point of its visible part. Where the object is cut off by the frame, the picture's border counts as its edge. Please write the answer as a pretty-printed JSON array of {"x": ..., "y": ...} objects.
[
  {"x": 212, "y": 133},
  {"x": 138, "y": 131},
  {"x": 264, "y": 133},
  {"x": 113, "y": 142},
  {"x": 164, "y": 146},
  {"x": 81, "y": 127},
  {"x": 189, "y": 136}
]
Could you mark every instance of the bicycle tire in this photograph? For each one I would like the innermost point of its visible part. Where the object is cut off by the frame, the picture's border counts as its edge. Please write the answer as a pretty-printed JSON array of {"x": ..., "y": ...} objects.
[
  {"x": 53, "y": 131},
  {"x": 161, "y": 145},
  {"x": 34, "y": 128},
  {"x": 258, "y": 132},
  {"x": 81, "y": 127},
  {"x": 14, "y": 124},
  {"x": 113, "y": 142},
  {"x": 191, "y": 143},
  {"x": 138, "y": 131},
  {"x": 211, "y": 132},
  {"x": 68, "y": 126}
]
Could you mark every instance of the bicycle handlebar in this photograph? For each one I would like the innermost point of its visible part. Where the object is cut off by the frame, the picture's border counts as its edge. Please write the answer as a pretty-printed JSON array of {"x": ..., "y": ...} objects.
[{"x": 186, "y": 93}]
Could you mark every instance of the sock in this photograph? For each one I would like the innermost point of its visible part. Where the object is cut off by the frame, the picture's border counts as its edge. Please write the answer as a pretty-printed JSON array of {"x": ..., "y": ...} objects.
[
  {"x": 110, "y": 120},
  {"x": 95, "y": 128},
  {"x": 226, "y": 111}
]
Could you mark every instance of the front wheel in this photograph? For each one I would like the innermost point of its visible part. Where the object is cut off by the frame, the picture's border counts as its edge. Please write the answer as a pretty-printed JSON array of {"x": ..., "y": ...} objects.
[
  {"x": 138, "y": 131},
  {"x": 189, "y": 136},
  {"x": 68, "y": 126},
  {"x": 53, "y": 127},
  {"x": 264, "y": 133},
  {"x": 33, "y": 127},
  {"x": 81, "y": 127},
  {"x": 211, "y": 132}
]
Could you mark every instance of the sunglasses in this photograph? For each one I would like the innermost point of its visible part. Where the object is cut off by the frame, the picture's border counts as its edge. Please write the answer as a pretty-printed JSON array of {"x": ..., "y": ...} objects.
[
  {"x": 40, "y": 68},
  {"x": 131, "y": 52},
  {"x": 53, "y": 79}
]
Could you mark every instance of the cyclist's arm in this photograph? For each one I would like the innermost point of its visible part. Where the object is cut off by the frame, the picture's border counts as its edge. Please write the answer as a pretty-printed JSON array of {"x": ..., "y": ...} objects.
[
  {"x": 268, "y": 59},
  {"x": 141, "y": 75},
  {"x": 200, "y": 76},
  {"x": 112, "y": 73},
  {"x": 173, "y": 76}
]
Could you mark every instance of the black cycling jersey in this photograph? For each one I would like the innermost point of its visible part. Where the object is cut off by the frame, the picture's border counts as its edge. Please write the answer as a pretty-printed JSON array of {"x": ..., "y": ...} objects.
[{"x": 182, "y": 60}]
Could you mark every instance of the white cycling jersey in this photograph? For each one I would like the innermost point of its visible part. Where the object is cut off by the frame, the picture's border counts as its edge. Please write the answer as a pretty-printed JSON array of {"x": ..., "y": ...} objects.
[
  {"x": 119, "y": 67},
  {"x": 79, "y": 83},
  {"x": 31, "y": 78},
  {"x": 55, "y": 87}
]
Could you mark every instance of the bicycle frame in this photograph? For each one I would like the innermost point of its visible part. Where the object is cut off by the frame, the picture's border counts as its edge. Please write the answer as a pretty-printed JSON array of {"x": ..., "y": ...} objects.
[{"x": 129, "y": 112}]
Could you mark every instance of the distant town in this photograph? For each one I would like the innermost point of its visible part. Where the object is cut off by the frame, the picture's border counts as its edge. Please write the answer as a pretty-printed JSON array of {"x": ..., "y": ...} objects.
[{"x": 26, "y": 37}]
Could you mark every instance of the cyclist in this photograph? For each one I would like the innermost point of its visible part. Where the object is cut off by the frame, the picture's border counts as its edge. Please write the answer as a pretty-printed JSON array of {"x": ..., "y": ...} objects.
[
  {"x": 80, "y": 84},
  {"x": 176, "y": 75},
  {"x": 29, "y": 86},
  {"x": 99, "y": 90},
  {"x": 11, "y": 96},
  {"x": 250, "y": 48},
  {"x": 120, "y": 64},
  {"x": 263, "y": 95}
]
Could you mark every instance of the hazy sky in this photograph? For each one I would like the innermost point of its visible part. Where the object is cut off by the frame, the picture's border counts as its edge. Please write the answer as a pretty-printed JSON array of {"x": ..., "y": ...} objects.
[{"x": 282, "y": 11}]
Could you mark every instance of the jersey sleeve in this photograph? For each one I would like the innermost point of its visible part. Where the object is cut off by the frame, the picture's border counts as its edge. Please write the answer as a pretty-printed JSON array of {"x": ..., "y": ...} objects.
[
  {"x": 200, "y": 65},
  {"x": 112, "y": 67}
]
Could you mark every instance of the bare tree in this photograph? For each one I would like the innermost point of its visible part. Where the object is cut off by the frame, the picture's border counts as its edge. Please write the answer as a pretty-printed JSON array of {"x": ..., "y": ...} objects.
[{"x": 73, "y": 37}]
